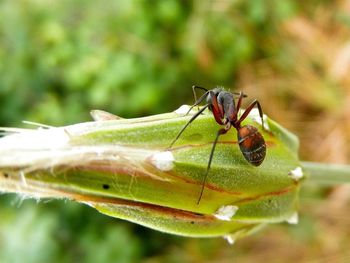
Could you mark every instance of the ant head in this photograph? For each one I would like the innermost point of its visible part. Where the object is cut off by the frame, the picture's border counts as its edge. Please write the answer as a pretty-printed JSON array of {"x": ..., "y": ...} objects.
[{"x": 213, "y": 94}]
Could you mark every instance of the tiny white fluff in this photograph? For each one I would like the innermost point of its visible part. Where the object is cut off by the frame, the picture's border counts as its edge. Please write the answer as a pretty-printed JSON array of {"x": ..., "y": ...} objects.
[
  {"x": 294, "y": 219},
  {"x": 164, "y": 161},
  {"x": 226, "y": 212},
  {"x": 296, "y": 174},
  {"x": 182, "y": 110},
  {"x": 229, "y": 239}
]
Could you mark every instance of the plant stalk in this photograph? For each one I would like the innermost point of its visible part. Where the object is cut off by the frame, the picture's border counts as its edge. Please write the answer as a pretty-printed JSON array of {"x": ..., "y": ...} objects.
[{"x": 327, "y": 174}]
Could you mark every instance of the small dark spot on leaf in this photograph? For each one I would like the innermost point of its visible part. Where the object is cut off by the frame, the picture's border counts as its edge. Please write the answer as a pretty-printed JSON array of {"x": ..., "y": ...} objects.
[
  {"x": 192, "y": 222},
  {"x": 6, "y": 175},
  {"x": 105, "y": 186},
  {"x": 198, "y": 214}
]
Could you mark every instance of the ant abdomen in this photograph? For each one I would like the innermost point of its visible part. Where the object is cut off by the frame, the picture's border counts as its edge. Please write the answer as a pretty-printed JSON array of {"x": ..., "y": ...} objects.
[{"x": 252, "y": 144}]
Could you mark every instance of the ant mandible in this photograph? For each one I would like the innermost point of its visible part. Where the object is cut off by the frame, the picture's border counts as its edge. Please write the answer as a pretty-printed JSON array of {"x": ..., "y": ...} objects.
[{"x": 222, "y": 104}]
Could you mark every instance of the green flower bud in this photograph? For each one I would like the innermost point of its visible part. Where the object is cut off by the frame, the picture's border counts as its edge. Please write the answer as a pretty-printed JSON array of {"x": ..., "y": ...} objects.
[{"x": 124, "y": 169}]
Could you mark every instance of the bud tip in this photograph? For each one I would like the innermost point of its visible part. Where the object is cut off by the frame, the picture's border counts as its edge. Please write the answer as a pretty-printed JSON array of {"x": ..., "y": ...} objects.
[{"x": 182, "y": 110}]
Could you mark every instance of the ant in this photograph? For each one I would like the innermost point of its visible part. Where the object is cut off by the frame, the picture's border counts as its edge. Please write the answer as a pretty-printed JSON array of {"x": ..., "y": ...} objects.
[{"x": 222, "y": 104}]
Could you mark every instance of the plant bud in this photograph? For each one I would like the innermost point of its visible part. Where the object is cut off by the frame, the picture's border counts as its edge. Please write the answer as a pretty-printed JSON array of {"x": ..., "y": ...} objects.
[{"x": 124, "y": 168}]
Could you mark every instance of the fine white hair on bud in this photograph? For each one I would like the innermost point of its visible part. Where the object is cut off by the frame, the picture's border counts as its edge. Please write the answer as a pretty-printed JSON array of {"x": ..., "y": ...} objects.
[
  {"x": 23, "y": 178},
  {"x": 296, "y": 174},
  {"x": 52, "y": 138},
  {"x": 226, "y": 212},
  {"x": 164, "y": 161}
]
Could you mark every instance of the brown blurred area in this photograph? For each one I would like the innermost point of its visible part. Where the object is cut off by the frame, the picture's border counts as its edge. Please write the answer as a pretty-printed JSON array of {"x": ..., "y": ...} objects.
[{"x": 310, "y": 95}]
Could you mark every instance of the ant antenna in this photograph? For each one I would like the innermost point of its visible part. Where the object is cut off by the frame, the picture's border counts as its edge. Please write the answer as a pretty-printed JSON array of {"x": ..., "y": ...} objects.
[
  {"x": 193, "y": 117},
  {"x": 188, "y": 123}
]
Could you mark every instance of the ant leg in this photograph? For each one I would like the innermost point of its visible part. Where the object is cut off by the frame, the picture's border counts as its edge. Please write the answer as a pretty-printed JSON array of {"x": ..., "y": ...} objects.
[
  {"x": 194, "y": 87},
  {"x": 216, "y": 108},
  {"x": 220, "y": 132},
  {"x": 188, "y": 123},
  {"x": 197, "y": 102},
  {"x": 239, "y": 94},
  {"x": 250, "y": 107},
  {"x": 239, "y": 102}
]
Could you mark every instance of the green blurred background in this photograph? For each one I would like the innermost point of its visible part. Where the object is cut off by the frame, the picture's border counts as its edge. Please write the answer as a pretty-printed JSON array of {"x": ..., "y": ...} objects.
[{"x": 60, "y": 59}]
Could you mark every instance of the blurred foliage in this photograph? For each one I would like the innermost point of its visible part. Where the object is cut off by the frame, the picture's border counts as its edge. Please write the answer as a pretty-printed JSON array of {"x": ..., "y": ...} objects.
[
  {"x": 59, "y": 59},
  {"x": 46, "y": 235}
]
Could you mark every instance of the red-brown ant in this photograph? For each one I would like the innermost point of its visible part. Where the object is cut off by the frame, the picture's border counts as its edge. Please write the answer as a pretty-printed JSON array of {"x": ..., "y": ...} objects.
[{"x": 222, "y": 104}]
